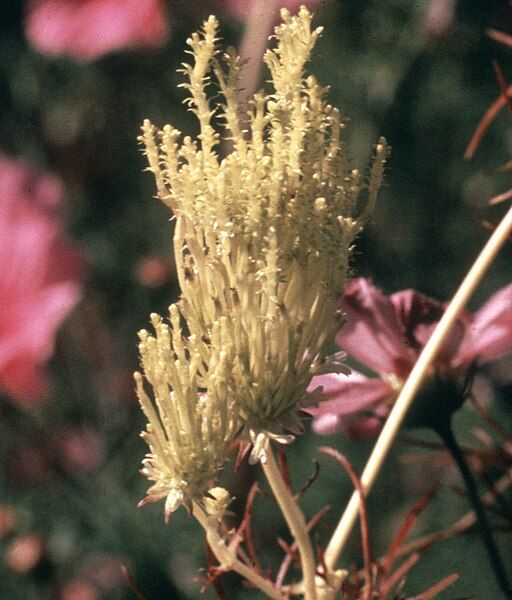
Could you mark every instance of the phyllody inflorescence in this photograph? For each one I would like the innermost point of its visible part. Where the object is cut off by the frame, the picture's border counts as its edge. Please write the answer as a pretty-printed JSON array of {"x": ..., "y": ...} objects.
[{"x": 262, "y": 244}]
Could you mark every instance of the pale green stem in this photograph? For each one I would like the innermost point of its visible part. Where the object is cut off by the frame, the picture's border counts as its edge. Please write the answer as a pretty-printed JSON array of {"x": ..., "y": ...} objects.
[
  {"x": 413, "y": 383},
  {"x": 295, "y": 520},
  {"x": 227, "y": 557}
]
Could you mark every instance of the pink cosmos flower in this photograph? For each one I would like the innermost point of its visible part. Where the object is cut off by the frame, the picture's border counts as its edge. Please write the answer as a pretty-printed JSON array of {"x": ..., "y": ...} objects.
[
  {"x": 387, "y": 334},
  {"x": 40, "y": 278},
  {"x": 88, "y": 29}
]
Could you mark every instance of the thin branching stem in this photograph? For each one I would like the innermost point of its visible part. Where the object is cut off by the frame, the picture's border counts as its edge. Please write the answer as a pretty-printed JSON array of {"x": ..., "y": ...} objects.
[
  {"x": 228, "y": 559},
  {"x": 413, "y": 383},
  {"x": 295, "y": 520},
  {"x": 464, "y": 524}
]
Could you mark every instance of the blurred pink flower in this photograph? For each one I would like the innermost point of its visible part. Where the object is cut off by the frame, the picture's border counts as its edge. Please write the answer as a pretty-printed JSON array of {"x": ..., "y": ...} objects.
[
  {"x": 105, "y": 571},
  {"x": 100, "y": 576},
  {"x": 154, "y": 271},
  {"x": 387, "y": 334},
  {"x": 7, "y": 520},
  {"x": 240, "y": 8},
  {"x": 440, "y": 18},
  {"x": 88, "y": 29},
  {"x": 79, "y": 590},
  {"x": 80, "y": 449},
  {"x": 40, "y": 278},
  {"x": 24, "y": 553}
]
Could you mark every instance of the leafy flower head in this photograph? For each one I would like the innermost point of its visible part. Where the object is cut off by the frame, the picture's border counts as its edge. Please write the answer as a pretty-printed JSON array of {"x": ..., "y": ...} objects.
[
  {"x": 190, "y": 432},
  {"x": 263, "y": 235}
]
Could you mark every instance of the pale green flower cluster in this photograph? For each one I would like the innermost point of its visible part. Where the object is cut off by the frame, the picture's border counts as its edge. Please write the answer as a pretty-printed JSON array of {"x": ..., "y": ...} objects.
[
  {"x": 196, "y": 418},
  {"x": 262, "y": 244}
]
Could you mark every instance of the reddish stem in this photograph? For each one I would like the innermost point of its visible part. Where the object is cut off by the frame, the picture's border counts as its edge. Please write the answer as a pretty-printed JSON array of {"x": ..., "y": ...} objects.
[{"x": 363, "y": 514}]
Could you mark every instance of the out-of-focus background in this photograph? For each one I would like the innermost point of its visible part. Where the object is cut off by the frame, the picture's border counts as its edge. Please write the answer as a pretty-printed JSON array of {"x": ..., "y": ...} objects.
[{"x": 85, "y": 256}]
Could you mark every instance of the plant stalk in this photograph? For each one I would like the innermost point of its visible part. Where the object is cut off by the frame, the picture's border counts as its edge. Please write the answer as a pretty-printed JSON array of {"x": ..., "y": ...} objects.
[
  {"x": 228, "y": 559},
  {"x": 295, "y": 520}
]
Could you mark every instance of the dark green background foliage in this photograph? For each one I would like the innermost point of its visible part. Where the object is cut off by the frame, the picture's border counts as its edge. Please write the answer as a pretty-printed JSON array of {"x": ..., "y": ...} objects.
[{"x": 81, "y": 121}]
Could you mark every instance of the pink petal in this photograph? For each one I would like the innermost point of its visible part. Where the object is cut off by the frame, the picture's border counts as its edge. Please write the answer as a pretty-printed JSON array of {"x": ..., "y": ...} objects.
[
  {"x": 419, "y": 316},
  {"x": 33, "y": 332},
  {"x": 490, "y": 335},
  {"x": 372, "y": 333},
  {"x": 346, "y": 398},
  {"x": 40, "y": 277},
  {"x": 360, "y": 426},
  {"x": 23, "y": 379},
  {"x": 87, "y": 29}
]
